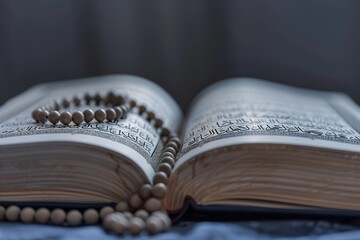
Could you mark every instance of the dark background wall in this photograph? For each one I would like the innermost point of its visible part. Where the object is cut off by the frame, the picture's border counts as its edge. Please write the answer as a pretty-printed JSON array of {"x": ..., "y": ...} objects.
[{"x": 182, "y": 45}]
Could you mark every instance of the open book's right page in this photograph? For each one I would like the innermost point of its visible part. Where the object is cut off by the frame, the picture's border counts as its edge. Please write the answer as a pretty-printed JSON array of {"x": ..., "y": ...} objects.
[{"x": 242, "y": 110}]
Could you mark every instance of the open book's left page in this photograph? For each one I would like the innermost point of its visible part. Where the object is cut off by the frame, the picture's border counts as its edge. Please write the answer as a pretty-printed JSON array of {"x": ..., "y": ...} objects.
[{"x": 133, "y": 137}]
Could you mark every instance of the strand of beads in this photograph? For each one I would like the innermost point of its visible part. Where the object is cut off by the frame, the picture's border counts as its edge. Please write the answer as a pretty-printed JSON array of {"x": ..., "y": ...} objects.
[
  {"x": 116, "y": 108},
  {"x": 143, "y": 210},
  {"x": 56, "y": 216}
]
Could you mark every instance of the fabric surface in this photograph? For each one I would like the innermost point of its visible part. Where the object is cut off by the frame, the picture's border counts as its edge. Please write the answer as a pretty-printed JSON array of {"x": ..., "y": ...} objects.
[{"x": 294, "y": 230}]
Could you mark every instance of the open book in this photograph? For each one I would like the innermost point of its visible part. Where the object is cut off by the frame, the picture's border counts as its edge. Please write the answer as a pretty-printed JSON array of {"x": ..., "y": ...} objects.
[{"x": 245, "y": 142}]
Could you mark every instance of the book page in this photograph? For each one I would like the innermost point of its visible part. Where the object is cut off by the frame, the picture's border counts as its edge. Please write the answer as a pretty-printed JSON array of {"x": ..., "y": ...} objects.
[
  {"x": 133, "y": 136},
  {"x": 239, "y": 111}
]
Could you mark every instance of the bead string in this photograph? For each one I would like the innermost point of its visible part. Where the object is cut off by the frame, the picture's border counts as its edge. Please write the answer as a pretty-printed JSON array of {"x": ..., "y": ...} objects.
[{"x": 143, "y": 209}]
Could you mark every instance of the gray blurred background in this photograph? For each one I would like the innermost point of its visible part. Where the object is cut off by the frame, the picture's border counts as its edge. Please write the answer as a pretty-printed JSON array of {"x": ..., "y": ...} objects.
[{"x": 182, "y": 45}]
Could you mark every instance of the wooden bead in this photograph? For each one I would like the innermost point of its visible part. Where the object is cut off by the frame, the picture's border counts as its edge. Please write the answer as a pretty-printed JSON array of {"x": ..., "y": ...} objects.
[
  {"x": 141, "y": 213},
  {"x": 76, "y": 101},
  {"x": 132, "y": 103},
  {"x": 165, "y": 154},
  {"x": 172, "y": 145},
  {"x": 125, "y": 109},
  {"x": 169, "y": 160},
  {"x": 97, "y": 99},
  {"x": 74, "y": 218},
  {"x": 65, "y": 118},
  {"x": 42, "y": 116},
  {"x": 145, "y": 191},
  {"x": 110, "y": 95},
  {"x": 65, "y": 103},
  {"x": 135, "y": 201},
  {"x": 119, "y": 112},
  {"x": 175, "y": 140},
  {"x": 120, "y": 226},
  {"x": 118, "y": 100},
  {"x": 152, "y": 204},
  {"x": 12, "y": 213},
  {"x": 136, "y": 225},
  {"x": 166, "y": 168},
  {"x": 87, "y": 98},
  {"x": 110, "y": 114},
  {"x": 35, "y": 113},
  {"x": 54, "y": 117},
  {"x": 164, "y": 217},
  {"x": 2, "y": 213},
  {"x": 110, "y": 99},
  {"x": 100, "y": 115},
  {"x": 57, "y": 216},
  {"x": 164, "y": 132},
  {"x": 160, "y": 177},
  {"x": 159, "y": 190},
  {"x": 154, "y": 225},
  {"x": 119, "y": 223},
  {"x": 77, "y": 117},
  {"x": 105, "y": 211},
  {"x": 142, "y": 109},
  {"x": 27, "y": 215},
  {"x": 108, "y": 221},
  {"x": 91, "y": 216},
  {"x": 42, "y": 215},
  {"x": 88, "y": 115},
  {"x": 122, "y": 207},
  {"x": 171, "y": 150},
  {"x": 158, "y": 123},
  {"x": 150, "y": 116}
]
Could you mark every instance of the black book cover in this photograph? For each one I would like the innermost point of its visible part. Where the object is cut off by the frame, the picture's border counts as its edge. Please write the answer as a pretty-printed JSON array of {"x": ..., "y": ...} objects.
[{"x": 194, "y": 212}]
